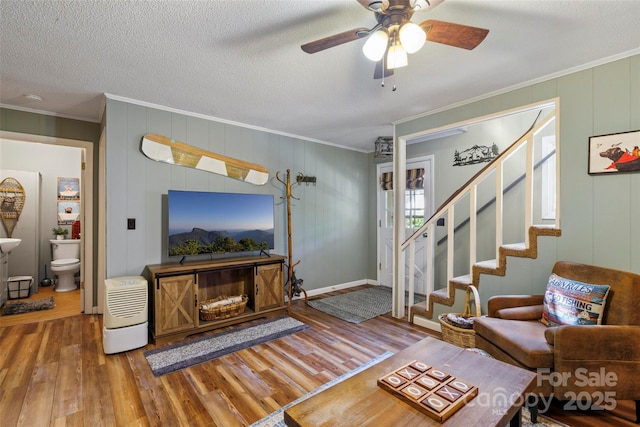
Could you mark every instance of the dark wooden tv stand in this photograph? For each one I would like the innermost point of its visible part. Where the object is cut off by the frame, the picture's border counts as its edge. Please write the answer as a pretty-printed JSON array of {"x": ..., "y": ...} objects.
[{"x": 175, "y": 291}]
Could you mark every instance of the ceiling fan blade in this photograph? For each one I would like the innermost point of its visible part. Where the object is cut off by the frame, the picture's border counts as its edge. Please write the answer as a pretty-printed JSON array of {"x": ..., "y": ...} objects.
[
  {"x": 451, "y": 34},
  {"x": 377, "y": 74},
  {"x": 335, "y": 40}
]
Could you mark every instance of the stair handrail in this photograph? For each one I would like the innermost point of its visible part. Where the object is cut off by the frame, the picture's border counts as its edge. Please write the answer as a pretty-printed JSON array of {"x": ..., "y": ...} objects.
[
  {"x": 506, "y": 190},
  {"x": 427, "y": 230},
  {"x": 462, "y": 190}
]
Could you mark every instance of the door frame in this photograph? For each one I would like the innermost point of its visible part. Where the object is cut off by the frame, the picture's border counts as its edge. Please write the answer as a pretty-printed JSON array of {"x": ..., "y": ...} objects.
[{"x": 86, "y": 200}]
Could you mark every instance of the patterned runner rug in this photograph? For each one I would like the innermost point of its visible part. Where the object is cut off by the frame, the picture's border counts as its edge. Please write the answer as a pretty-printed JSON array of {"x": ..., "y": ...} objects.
[{"x": 192, "y": 352}]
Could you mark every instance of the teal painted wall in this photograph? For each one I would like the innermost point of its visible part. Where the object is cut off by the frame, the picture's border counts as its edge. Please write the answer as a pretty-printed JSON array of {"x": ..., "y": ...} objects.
[
  {"x": 600, "y": 214},
  {"x": 40, "y": 124},
  {"x": 330, "y": 221},
  {"x": 334, "y": 230}
]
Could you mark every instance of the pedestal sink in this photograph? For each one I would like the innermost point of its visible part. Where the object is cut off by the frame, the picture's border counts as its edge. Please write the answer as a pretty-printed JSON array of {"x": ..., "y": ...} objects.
[{"x": 8, "y": 244}]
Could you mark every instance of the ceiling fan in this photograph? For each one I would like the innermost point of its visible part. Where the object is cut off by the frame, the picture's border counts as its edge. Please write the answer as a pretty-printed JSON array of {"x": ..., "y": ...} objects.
[{"x": 389, "y": 41}]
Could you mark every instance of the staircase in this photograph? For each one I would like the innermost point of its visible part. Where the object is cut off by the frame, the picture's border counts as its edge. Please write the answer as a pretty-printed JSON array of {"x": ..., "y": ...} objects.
[{"x": 530, "y": 141}]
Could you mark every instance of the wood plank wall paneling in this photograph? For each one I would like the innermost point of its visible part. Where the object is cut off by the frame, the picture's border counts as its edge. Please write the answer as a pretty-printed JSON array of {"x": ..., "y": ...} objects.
[
  {"x": 330, "y": 219},
  {"x": 55, "y": 373},
  {"x": 595, "y": 209}
]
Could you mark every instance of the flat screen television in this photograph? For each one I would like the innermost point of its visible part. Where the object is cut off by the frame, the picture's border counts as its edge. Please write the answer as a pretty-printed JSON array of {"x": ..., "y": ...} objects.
[{"x": 203, "y": 222}]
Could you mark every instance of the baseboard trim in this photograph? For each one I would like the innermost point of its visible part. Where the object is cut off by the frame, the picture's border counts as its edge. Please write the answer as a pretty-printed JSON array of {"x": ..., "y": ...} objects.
[
  {"x": 320, "y": 291},
  {"x": 426, "y": 323},
  {"x": 417, "y": 320}
]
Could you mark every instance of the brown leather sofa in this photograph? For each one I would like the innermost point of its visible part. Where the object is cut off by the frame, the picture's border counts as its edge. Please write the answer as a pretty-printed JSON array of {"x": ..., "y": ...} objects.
[{"x": 600, "y": 362}]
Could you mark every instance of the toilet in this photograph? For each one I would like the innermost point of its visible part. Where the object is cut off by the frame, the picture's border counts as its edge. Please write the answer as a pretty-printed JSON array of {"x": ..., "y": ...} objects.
[{"x": 66, "y": 263}]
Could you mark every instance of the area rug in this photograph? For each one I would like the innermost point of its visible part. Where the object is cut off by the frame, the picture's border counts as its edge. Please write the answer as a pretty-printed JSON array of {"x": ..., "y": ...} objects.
[
  {"x": 276, "y": 418},
  {"x": 543, "y": 421},
  {"x": 192, "y": 352},
  {"x": 28, "y": 306},
  {"x": 358, "y": 306}
]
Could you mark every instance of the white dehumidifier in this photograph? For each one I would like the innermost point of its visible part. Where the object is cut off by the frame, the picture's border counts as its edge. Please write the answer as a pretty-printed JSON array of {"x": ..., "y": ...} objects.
[{"x": 125, "y": 314}]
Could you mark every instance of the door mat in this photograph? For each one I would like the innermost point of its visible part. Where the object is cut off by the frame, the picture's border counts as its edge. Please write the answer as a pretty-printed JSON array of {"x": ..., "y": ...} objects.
[
  {"x": 192, "y": 352},
  {"x": 28, "y": 306},
  {"x": 358, "y": 306}
]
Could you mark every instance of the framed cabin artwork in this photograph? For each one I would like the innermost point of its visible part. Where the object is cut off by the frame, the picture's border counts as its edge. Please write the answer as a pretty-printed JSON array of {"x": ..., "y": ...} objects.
[{"x": 614, "y": 153}]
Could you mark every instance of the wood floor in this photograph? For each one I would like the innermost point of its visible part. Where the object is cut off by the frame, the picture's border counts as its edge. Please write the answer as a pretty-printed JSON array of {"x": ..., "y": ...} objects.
[
  {"x": 55, "y": 373},
  {"x": 66, "y": 304}
]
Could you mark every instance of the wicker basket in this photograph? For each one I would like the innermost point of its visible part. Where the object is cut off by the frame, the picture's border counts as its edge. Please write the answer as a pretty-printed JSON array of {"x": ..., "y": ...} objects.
[
  {"x": 223, "y": 311},
  {"x": 455, "y": 335}
]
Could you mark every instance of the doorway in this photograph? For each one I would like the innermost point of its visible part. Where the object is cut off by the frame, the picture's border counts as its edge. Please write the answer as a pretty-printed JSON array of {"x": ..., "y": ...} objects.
[
  {"x": 85, "y": 155},
  {"x": 419, "y": 206}
]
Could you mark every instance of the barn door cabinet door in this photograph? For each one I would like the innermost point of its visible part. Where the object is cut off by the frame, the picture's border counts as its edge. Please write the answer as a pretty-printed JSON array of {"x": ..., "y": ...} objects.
[
  {"x": 175, "y": 304},
  {"x": 269, "y": 286}
]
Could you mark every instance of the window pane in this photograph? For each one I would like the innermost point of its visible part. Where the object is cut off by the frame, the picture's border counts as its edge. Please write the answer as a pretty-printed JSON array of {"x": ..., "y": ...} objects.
[
  {"x": 548, "y": 204},
  {"x": 414, "y": 208}
]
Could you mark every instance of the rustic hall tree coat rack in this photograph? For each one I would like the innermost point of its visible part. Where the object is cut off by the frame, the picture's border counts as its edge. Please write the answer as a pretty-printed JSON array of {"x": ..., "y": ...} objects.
[{"x": 294, "y": 284}]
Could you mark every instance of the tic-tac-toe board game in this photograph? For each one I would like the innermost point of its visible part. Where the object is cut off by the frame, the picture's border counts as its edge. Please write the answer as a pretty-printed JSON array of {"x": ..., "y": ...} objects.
[{"x": 429, "y": 389}]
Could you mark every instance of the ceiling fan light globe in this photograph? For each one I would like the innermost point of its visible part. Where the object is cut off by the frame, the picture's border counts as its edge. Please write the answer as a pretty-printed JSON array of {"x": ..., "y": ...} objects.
[
  {"x": 412, "y": 37},
  {"x": 397, "y": 57},
  {"x": 376, "y": 5},
  {"x": 376, "y": 45},
  {"x": 419, "y": 4}
]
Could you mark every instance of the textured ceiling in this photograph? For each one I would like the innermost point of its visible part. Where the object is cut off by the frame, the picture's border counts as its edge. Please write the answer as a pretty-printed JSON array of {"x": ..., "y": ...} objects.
[{"x": 240, "y": 60}]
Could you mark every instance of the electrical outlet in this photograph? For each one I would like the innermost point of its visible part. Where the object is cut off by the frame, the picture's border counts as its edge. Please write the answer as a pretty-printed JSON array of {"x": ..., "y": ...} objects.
[{"x": 131, "y": 223}]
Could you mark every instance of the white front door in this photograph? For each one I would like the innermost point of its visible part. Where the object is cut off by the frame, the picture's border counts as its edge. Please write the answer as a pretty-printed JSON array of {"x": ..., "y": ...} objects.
[{"x": 418, "y": 208}]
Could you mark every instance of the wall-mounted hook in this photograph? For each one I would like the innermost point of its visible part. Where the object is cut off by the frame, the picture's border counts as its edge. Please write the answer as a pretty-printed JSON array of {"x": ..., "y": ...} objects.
[{"x": 300, "y": 178}]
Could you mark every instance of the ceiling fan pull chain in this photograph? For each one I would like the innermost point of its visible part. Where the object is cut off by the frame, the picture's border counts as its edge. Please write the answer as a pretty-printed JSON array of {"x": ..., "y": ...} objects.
[{"x": 383, "y": 69}]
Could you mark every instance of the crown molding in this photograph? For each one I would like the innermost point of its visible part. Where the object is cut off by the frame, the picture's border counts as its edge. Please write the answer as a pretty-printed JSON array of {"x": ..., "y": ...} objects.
[
  {"x": 225, "y": 121},
  {"x": 49, "y": 113},
  {"x": 552, "y": 76}
]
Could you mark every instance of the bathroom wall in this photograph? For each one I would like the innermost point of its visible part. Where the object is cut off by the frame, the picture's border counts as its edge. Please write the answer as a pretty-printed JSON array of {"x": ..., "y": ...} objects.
[{"x": 51, "y": 161}]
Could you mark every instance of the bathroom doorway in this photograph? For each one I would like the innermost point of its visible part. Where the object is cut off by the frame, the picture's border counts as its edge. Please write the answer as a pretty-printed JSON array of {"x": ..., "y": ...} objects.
[{"x": 46, "y": 151}]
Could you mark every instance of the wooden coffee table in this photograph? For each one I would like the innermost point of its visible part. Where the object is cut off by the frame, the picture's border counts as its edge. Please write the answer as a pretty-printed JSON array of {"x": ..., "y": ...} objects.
[{"x": 359, "y": 401}]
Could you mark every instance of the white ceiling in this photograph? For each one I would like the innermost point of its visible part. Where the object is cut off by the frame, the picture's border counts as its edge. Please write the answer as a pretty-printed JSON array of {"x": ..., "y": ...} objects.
[{"x": 240, "y": 60}]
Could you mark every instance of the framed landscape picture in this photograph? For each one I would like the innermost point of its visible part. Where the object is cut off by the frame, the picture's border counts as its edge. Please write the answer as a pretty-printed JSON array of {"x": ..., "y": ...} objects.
[{"x": 614, "y": 153}]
